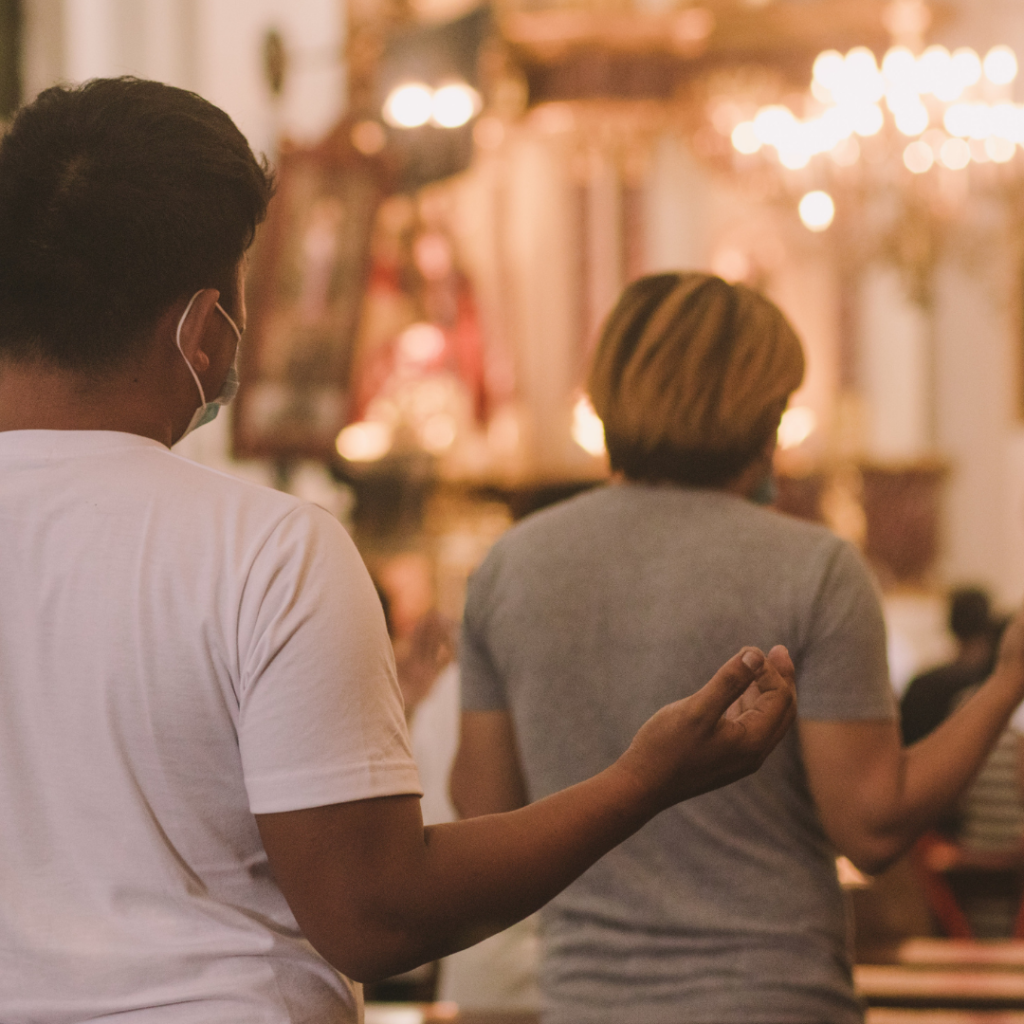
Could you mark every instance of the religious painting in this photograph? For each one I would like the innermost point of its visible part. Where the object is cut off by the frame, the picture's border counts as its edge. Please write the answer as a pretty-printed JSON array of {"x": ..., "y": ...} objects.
[{"x": 305, "y": 290}]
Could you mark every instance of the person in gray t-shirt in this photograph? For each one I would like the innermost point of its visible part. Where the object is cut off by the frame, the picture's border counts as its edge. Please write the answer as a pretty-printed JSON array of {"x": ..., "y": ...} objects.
[{"x": 588, "y": 615}]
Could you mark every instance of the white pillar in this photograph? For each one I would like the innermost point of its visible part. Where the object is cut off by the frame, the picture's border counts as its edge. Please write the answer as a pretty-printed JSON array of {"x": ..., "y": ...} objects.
[
  {"x": 676, "y": 201},
  {"x": 895, "y": 369},
  {"x": 91, "y": 35},
  {"x": 540, "y": 280},
  {"x": 977, "y": 381}
]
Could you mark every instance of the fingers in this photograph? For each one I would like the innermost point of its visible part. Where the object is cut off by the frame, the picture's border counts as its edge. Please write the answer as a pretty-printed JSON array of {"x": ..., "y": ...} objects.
[
  {"x": 783, "y": 663},
  {"x": 770, "y": 704},
  {"x": 712, "y": 700}
]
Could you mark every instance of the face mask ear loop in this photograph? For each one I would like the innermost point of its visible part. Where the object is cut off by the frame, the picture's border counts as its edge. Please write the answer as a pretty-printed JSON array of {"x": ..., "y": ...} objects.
[
  {"x": 227, "y": 316},
  {"x": 177, "y": 341}
]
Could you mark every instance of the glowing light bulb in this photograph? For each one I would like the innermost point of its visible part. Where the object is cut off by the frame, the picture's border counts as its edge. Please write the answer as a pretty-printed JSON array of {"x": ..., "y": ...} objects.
[
  {"x": 900, "y": 68},
  {"x": 957, "y": 120},
  {"x": 967, "y": 66},
  {"x": 774, "y": 125},
  {"x": 454, "y": 105},
  {"x": 587, "y": 428},
  {"x": 744, "y": 138},
  {"x": 912, "y": 119},
  {"x": 408, "y": 106},
  {"x": 1000, "y": 65},
  {"x": 935, "y": 67},
  {"x": 868, "y": 120},
  {"x": 796, "y": 426},
  {"x": 1004, "y": 121},
  {"x": 828, "y": 69},
  {"x": 863, "y": 82},
  {"x": 817, "y": 210},
  {"x": 365, "y": 441},
  {"x": 794, "y": 159}
]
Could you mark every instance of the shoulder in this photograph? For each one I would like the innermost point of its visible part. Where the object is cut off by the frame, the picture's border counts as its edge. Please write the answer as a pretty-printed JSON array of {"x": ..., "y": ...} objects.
[{"x": 253, "y": 524}]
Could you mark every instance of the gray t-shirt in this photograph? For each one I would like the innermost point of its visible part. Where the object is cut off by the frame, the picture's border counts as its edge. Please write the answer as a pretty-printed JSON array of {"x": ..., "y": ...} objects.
[{"x": 586, "y": 618}]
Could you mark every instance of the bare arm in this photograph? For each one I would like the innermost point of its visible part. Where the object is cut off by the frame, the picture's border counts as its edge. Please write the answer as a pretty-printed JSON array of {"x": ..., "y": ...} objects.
[
  {"x": 376, "y": 893},
  {"x": 874, "y": 796},
  {"x": 486, "y": 777}
]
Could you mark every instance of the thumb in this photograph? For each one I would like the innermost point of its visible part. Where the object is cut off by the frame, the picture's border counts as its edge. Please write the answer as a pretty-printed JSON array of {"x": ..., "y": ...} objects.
[{"x": 713, "y": 699}]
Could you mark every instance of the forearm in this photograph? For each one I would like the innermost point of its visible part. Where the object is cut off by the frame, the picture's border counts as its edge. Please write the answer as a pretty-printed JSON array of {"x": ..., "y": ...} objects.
[
  {"x": 376, "y": 893},
  {"x": 939, "y": 768},
  {"x": 449, "y": 886},
  {"x": 875, "y": 797}
]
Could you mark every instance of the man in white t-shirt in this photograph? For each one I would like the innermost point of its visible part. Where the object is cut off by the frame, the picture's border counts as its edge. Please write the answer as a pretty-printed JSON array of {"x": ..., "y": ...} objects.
[{"x": 203, "y": 757}]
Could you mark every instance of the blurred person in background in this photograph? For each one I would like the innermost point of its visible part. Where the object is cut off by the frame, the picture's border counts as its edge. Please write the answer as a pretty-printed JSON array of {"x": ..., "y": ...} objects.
[
  {"x": 932, "y": 695},
  {"x": 586, "y": 616},
  {"x": 989, "y": 818}
]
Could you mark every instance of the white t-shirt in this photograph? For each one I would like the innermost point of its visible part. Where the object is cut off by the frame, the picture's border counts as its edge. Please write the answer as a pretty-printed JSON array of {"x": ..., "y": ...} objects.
[{"x": 178, "y": 651}]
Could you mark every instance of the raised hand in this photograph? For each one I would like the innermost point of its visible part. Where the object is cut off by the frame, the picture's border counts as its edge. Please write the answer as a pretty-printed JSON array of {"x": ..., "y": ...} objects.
[{"x": 719, "y": 734}]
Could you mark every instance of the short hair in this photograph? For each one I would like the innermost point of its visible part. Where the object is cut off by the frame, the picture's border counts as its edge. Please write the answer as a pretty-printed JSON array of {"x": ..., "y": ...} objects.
[
  {"x": 970, "y": 613},
  {"x": 690, "y": 377},
  {"x": 117, "y": 198}
]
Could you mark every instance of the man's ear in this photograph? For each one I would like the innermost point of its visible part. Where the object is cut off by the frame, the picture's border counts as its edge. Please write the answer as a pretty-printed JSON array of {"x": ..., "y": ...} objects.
[{"x": 200, "y": 310}]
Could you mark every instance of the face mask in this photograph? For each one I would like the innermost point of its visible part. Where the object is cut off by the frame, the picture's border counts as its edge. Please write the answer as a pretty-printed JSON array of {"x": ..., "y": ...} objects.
[{"x": 207, "y": 411}]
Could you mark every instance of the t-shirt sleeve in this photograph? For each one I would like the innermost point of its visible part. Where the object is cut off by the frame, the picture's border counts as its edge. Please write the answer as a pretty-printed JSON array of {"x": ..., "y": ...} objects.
[
  {"x": 841, "y": 667},
  {"x": 482, "y": 686},
  {"x": 320, "y": 717}
]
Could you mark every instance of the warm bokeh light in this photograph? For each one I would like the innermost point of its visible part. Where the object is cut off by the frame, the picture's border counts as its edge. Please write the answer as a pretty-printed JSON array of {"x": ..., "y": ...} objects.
[
  {"x": 999, "y": 150},
  {"x": 828, "y": 69},
  {"x": 796, "y": 426},
  {"x": 365, "y": 441},
  {"x": 913, "y": 119},
  {"x": 409, "y": 105},
  {"x": 900, "y": 68},
  {"x": 744, "y": 138},
  {"x": 862, "y": 81},
  {"x": 817, "y": 210},
  {"x": 934, "y": 69},
  {"x": 924, "y": 95},
  {"x": 454, "y": 105},
  {"x": 967, "y": 65},
  {"x": 437, "y": 434},
  {"x": 774, "y": 125},
  {"x": 587, "y": 428},
  {"x": 1000, "y": 65},
  {"x": 421, "y": 343},
  {"x": 955, "y": 154},
  {"x": 868, "y": 120},
  {"x": 918, "y": 157}
]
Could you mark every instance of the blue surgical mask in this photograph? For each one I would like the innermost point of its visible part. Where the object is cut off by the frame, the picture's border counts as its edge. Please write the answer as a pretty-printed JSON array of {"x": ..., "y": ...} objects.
[{"x": 207, "y": 411}]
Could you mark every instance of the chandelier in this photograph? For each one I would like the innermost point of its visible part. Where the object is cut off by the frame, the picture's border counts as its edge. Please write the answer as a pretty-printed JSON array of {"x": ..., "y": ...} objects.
[{"x": 940, "y": 114}]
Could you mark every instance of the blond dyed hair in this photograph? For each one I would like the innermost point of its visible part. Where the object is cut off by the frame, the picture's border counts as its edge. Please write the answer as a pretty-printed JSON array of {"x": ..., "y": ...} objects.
[{"x": 690, "y": 377}]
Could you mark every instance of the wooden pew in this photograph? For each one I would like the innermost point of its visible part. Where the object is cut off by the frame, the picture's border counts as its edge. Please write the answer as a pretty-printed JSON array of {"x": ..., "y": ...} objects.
[
  {"x": 889, "y": 1015},
  {"x": 447, "y": 1013},
  {"x": 969, "y": 987},
  {"x": 993, "y": 953}
]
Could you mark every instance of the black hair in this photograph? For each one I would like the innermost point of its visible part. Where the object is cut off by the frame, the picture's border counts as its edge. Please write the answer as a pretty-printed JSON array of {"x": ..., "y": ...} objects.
[
  {"x": 970, "y": 613},
  {"x": 117, "y": 198}
]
